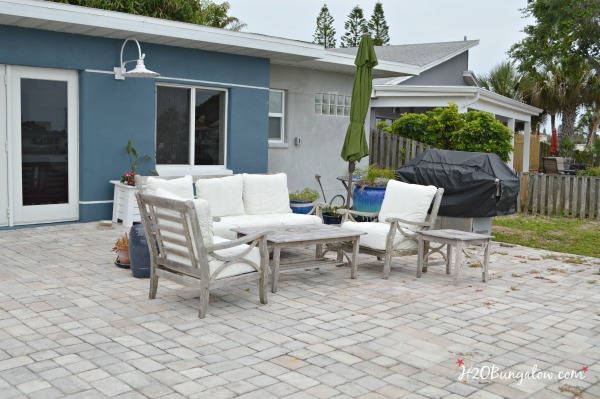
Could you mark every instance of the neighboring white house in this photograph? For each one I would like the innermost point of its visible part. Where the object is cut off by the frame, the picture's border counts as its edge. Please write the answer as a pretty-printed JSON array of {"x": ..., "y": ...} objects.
[{"x": 443, "y": 77}]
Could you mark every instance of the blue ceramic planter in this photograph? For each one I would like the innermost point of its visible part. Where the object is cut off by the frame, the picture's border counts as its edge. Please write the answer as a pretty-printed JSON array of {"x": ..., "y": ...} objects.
[
  {"x": 138, "y": 252},
  {"x": 302, "y": 209},
  {"x": 368, "y": 199}
]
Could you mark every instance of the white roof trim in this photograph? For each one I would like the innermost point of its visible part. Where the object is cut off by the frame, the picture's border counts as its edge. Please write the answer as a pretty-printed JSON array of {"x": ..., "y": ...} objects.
[
  {"x": 453, "y": 91},
  {"x": 58, "y": 17}
]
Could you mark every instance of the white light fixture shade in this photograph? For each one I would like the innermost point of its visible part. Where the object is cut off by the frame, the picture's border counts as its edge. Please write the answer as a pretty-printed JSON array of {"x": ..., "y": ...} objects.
[{"x": 139, "y": 71}]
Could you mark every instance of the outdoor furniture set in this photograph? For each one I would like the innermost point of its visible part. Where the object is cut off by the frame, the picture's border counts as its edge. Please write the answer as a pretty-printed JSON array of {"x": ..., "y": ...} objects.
[
  {"x": 225, "y": 232},
  {"x": 557, "y": 165}
]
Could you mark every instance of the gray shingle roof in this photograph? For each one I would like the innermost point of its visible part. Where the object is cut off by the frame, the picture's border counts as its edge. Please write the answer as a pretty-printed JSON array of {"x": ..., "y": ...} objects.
[{"x": 415, "y": 54}]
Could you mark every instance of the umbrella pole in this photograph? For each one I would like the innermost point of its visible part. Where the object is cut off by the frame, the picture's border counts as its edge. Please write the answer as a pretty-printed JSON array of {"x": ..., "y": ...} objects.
[{"x": 351, "y": 167}]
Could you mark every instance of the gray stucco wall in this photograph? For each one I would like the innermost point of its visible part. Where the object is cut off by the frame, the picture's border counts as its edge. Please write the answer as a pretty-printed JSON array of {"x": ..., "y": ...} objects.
[
  {"x": 449, "y": 73},
  {"x": 112, "y": 111},
  {"x": 322, "y": 135}
]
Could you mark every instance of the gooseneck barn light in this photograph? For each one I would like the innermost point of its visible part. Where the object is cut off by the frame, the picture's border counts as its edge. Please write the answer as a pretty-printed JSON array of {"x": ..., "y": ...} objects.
[{"x": 139, "y": 71}]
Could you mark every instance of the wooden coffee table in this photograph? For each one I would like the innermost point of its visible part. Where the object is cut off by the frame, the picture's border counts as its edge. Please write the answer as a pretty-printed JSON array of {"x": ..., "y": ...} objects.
[{"x": 305, "y": 235}]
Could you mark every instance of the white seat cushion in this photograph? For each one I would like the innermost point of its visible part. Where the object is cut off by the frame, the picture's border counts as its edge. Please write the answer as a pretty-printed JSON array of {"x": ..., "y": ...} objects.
[
  {"x": 265, "y": 194},
  {"x": 235, "y": 268},
  {"x": 406, "y": 201},
  {"x": 224, "y": 194},
  {"x": 182, "y": 187},
  {"x": 376, "y": 236}
]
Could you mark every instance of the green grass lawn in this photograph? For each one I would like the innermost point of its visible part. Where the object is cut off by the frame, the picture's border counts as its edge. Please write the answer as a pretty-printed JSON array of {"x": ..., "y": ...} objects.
[{"x": 560, "y": 234}]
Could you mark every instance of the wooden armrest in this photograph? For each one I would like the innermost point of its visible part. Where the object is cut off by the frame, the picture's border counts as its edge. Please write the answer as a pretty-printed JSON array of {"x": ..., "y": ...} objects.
[
  {"x": 238, "y": 241},
  {"x": 417, "y": 224},
  {"x": 352, "y": 212}
]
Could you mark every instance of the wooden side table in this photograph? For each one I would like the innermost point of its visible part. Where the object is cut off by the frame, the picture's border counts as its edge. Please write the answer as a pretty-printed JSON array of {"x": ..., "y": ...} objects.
[
  {"x": 125, "y": 206},
  {"x": 457, "y": 241}
]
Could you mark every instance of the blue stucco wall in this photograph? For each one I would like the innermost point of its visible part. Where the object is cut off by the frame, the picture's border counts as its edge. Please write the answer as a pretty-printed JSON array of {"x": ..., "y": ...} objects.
[{"x": 113, "y": 111}]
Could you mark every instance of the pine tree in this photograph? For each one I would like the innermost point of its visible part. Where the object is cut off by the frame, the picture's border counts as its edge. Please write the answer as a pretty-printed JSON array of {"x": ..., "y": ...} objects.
[
  {"x": 379, "y": 27},
  {"x": 355, "y": 26},
  {"x": 324, "y": 33}
]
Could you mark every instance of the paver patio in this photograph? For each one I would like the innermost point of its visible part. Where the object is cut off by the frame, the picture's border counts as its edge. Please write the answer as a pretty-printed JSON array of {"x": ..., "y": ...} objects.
[{"x": 74, "y": 325}]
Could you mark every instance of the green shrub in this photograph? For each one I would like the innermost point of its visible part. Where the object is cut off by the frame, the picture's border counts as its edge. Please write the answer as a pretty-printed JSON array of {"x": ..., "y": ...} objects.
[
  {"x": 308, "y": 194},
  {"x": 590, "y": 172},
  {"x": 446, "y": 129},
  {"x": 374, "y": 175}
]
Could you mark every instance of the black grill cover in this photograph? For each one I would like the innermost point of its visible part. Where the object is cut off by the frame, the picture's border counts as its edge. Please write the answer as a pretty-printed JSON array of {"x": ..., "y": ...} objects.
[{"x": 475, "y": 184}]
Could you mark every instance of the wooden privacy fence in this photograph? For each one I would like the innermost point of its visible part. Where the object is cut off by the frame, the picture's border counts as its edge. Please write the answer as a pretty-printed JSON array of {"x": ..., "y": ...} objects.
[
  {"x": 392, "y": 151},
  {"x": 534, "y": 152},
  {"x": 549, "y": 194}
]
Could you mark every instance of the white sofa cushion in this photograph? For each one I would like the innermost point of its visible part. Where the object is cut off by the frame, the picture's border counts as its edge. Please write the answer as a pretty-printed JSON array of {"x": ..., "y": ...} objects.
[
  {"x": 235, "y": 268},
  {"x": 223, "y": 228},
  {"x": 266, "y": 194},
  {"x": 224, "y": 194},
  {"x": 376, "y": 236},
  {"x": 406, "y": 201},
  {"x": 182, "y": 187},
  {"x": 202, "y": 208}
]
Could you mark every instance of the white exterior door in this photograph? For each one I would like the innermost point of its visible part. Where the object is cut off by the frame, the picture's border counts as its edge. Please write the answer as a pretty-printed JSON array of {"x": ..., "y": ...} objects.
[
  {"x": 42, "y": 111},
  {"x": 4, "y": 210}
]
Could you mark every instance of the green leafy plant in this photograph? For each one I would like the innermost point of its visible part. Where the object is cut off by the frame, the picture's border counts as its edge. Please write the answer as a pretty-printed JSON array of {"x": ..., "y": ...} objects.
[
  {"x": 331, "y": 210},
  {"x": 589, "y": 172},
  {"x": 307, "y": 194},
  {"x": 128, "y": 178},
  {"x": 446, "y": 129},
  {"x": 374, "y": 176}
]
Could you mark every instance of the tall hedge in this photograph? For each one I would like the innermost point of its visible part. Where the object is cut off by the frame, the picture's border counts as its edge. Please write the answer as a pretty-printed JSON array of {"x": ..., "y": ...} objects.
[{"x": 446, "y": 129}]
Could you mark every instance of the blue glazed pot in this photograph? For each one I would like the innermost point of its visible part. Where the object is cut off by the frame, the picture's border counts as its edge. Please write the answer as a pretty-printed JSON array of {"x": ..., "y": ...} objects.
[
  {"x": 368, "y": 199},
  {"x": 302, "y": 209},
  {"x": 138, "y": 252},
  {"x": 330, "y": 218}
]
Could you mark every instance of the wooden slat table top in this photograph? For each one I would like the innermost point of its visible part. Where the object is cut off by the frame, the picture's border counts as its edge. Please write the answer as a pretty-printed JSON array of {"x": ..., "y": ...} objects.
[
  {"x": 301, "y": 233},
  {"x": 451, "y": 234}
]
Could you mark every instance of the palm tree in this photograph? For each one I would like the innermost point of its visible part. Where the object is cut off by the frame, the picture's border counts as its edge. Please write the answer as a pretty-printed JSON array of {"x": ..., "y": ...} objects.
[
  {"x": 592, "y": 105},
  {"x": 503, "y": 79},
  {"x": 571, "y": 76},
  {"x": 540, "y": 89}
]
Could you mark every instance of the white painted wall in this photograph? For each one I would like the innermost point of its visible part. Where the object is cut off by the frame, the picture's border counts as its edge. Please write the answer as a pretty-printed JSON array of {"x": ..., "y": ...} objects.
[{"x": 322, "y": 135}]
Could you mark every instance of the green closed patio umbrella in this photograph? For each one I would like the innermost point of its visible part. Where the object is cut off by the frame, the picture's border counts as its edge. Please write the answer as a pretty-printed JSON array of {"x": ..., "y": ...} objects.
[{"x": 355, "y": 145}]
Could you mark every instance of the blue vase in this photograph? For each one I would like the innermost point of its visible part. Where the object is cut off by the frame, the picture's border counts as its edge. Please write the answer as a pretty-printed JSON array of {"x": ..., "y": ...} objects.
[
  {"x": 368, "y": 199},
  {"x": 138, "y": 252},
  {"x": 302, "y": 209}
]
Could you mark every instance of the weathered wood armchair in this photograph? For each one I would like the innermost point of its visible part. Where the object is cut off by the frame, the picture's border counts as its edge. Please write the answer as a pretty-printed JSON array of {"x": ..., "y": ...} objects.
[
  {"x": 185, "y": 251},
  {"x": 393, "y": 232}
]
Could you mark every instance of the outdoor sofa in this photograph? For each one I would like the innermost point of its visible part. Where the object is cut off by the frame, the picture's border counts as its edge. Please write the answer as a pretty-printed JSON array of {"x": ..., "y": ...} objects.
[{"x": 241, "y": 200}]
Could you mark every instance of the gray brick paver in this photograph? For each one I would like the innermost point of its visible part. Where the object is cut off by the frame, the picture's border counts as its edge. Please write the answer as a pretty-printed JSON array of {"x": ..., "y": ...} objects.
[{"x": 87, "y": 332}]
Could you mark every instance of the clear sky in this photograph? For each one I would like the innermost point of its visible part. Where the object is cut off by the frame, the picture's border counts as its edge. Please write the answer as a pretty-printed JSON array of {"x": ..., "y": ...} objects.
[{"x": 496, "y": 23}]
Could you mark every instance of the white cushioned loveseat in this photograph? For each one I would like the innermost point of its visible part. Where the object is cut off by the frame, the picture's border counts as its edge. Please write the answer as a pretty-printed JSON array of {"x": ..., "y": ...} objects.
[{"x": 242, "y": 200}]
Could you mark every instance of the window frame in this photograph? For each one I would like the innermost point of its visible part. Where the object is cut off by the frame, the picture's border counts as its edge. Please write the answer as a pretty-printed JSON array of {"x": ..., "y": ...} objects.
[
  {"x": 321, "y": 104},
  {"x": 176, "y": 169},
  {"x": 279, "y": 115}
]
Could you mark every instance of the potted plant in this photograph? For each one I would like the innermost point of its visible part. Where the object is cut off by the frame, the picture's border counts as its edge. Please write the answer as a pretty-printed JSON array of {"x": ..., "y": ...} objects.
[
  {"x": 370, "y": 187},
  {"x": 302, "y": 201},
  {"x": 128, "y": 178},
  {"x": 122, "y": 249},
  {"x": 330, "y": 215}
]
